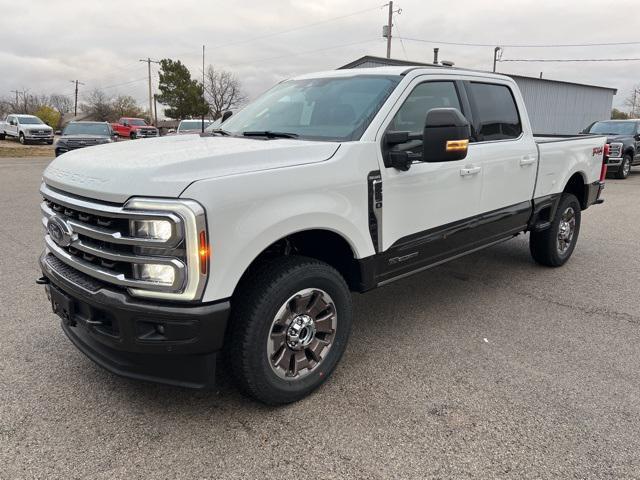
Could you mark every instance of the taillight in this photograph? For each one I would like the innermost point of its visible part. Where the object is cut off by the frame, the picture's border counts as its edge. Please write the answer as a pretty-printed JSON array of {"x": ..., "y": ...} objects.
[{"x": 605, "y": 156}]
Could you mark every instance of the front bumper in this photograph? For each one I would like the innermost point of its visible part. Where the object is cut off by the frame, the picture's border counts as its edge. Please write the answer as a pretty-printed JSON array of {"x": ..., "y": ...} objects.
[
  {"x": 614, "y": 161},
  {"x": 160, "y": 342}
]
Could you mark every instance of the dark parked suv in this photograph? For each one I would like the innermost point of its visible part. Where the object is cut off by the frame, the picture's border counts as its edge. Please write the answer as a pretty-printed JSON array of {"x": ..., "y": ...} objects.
[
  {"x": 624, "y": 140},
  {"x": 83, "y": 134}
]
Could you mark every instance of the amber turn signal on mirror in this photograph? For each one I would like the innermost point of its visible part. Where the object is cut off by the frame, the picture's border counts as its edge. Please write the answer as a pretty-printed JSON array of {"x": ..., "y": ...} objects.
[{"x": 457, "y": 145}]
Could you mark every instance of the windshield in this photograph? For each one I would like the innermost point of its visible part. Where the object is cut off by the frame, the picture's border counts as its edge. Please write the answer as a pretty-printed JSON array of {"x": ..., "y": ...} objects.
[
  {"x": 138, "y": 122},
  {"x": 332, "y": 109},
  {"x": 613, "y": 128},
  {"x": 87, "y": 129},
  {"x": 30, "y": 121},
  {"x": 192, "y": 125}
]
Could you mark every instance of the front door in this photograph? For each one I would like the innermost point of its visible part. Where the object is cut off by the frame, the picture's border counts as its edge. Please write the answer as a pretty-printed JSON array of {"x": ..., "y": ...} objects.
[{"x": 427, "y": 213}]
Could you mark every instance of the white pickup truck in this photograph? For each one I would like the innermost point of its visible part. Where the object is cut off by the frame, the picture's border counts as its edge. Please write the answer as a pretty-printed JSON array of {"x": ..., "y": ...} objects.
[
  {"x": 247, "y": 242},
  {"x": 26, "y": 128}
]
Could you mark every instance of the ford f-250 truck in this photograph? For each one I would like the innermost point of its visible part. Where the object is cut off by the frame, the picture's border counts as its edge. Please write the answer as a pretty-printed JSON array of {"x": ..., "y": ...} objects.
[
  {"x": 162, "y": 255},
  {"x": 26, "y": 128},
  {"x": 623, "y": 138},
  {"x": 134, "y": 128}
]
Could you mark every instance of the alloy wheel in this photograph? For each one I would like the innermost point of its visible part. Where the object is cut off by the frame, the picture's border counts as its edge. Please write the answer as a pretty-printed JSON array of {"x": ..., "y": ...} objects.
[
  {"x": 302, "y": 333},
  {"x": 566, "y": 230}
]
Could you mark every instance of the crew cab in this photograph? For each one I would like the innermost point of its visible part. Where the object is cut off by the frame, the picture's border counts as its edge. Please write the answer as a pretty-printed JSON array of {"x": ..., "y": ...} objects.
[
  {"x": 623, "y": 136},
  {"x": 26, "y": 128},
  {"x": 134, "y": 128},
  {"x": 161, "y": 256}
]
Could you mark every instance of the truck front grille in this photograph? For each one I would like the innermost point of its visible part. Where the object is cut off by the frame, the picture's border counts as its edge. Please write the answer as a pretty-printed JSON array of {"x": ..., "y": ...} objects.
[{"x": 98, "y": 241}]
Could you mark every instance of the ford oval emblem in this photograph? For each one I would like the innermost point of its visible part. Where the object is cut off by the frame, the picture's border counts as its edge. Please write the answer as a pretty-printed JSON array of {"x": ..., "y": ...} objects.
[{"x": 60, "y": 231}]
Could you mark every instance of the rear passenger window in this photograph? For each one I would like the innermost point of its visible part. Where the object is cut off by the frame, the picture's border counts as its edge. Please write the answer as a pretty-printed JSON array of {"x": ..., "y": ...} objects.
[
  {"x": 496, "y": 114},
  {"x": 424, "y": 97}
]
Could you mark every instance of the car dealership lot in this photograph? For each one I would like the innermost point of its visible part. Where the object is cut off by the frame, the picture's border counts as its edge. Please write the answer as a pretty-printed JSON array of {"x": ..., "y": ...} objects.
[{"x": 488, "y": 366}]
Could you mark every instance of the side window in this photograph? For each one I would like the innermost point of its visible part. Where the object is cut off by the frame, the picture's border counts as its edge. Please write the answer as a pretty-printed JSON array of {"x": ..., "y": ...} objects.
[
  {"x": 495, "y": 112},
  {"x": 423, "y": 98}
]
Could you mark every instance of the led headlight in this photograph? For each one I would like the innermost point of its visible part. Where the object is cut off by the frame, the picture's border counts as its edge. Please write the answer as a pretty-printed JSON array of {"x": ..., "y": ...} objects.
[
  {"x": 164, "y": 274},
  {"x": 154, "y": 229}
]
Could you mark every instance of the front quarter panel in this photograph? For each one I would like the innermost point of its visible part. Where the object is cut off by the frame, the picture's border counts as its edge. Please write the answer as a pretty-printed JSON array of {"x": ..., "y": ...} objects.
[{"x": 248, "y": 212}]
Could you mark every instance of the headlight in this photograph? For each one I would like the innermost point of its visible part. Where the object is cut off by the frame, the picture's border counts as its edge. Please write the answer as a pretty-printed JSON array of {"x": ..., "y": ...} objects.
[
  {"x": 154, "y": 229},
  {"x": 164, "y": 274},
  {"x": 179, "y": 241}
]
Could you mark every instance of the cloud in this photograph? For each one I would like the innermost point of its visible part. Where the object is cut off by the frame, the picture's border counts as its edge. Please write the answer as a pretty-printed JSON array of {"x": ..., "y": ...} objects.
[{"x": 45, "y": 44}]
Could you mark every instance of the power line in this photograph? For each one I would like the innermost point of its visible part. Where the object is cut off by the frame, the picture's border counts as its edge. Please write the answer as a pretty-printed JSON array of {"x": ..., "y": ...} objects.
[
  {"x": 559, "y": 45},
  {"x": 124, "y": 83},
  {"x": 570, "y": 60}
]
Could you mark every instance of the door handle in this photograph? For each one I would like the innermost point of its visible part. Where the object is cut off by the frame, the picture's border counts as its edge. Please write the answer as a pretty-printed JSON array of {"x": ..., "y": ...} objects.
[
  {"x": 527, "y": 160},
  {"x": 470, "y": 171}
]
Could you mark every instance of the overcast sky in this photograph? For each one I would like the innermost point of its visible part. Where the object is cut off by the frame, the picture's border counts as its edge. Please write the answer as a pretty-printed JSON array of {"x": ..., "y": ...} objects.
[{"x": 44, "y": 44}]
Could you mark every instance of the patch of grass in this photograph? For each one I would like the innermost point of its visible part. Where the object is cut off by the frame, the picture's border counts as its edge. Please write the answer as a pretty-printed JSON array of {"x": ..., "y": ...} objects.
[{"x": 11, "y": 148}]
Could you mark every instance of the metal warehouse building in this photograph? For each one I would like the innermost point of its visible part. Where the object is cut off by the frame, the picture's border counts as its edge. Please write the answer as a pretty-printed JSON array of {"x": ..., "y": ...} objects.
[{"x": 554, "y": 107}]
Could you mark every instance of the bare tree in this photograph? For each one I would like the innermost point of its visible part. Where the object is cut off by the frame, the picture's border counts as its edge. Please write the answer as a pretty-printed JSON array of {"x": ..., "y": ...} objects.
[
  {"x": 98, "y": 105},
  {"x": 633, "y": 102},
  {"x": 62, "y": 103},
  {"x": 125, "y": 106},
  {"x": 222, "y": 91}
]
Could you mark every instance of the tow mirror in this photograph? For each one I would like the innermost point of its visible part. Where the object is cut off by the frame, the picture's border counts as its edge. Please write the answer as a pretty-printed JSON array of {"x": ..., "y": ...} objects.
[
  {"x": 226, "y": 115},
  {"x": 446, "y": 135},
  {"x": 58, "y": 132}
]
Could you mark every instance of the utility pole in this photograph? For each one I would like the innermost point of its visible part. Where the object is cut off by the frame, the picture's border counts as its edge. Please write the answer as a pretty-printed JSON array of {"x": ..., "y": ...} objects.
[
  {"x": 155, "y": 108},
  {"x": 75, "y": 105},
  {"x": 203, "y": 98},
  {"x": 389, "y": 27},
  {"x": 496, "y": 51},
  {"x": 149, "y": 62}
]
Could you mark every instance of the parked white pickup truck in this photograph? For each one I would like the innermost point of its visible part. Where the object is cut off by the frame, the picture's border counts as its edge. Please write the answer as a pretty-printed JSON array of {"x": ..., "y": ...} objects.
[
  {"x": 162, "y": 254},
  {"x": 26, "y": 128}
]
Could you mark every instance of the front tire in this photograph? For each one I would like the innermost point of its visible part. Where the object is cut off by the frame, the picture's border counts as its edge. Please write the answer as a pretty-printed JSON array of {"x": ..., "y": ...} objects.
[
  {"x": 132, "y": 135},
  {"x": 553, "y": 247},
  {"x": 290, "y": 323},
  {"x": 625, "y": 168},
  {"x": 21, "y": 139}
]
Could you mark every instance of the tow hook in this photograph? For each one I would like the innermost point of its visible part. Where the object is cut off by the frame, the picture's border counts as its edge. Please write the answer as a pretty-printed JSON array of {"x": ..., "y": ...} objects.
[{"x": 43, "y": 281}]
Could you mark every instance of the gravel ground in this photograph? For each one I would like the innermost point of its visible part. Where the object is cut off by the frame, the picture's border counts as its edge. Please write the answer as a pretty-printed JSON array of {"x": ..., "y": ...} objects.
[{"x": 487, "y": 367}]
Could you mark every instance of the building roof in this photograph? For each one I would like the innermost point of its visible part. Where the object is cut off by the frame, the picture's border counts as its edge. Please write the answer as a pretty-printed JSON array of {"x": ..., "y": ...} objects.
[{"x": 408, "y": 63}]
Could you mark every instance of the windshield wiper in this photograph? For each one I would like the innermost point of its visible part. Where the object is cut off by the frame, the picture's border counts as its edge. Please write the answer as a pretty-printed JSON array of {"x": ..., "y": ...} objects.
[
  {"x": 270, "y": 134},
  {"x": 219, "y": 131}
]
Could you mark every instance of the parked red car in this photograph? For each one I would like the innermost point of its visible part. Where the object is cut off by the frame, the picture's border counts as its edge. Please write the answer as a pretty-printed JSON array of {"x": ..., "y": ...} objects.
[{"x": 134, "y": 128}]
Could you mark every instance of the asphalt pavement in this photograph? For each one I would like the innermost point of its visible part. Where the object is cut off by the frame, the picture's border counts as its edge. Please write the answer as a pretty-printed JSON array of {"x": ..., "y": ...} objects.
[{"x": 487, "y": 367}]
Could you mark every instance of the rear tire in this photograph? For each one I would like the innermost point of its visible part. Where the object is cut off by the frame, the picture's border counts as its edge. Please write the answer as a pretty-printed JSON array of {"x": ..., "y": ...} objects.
[
  {"x": 553, "y": 247},
  {"x": 625, "y": 168},
  {"x": 290, "y": 322},
  {"x": 2, "y": 136}
]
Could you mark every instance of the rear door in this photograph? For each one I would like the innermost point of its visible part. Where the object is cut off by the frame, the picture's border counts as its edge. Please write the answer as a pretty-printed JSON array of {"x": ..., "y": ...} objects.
[{"x": 505, "y": 149}]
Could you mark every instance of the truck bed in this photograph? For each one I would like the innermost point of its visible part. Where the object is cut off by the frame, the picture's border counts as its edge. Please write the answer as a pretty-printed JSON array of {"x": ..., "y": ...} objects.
[{"x": 562, "y": 156}]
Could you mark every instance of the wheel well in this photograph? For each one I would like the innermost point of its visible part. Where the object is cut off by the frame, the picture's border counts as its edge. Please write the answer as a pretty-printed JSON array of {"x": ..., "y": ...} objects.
[
  {"x": 629, "y": 151},
  {"x": 577, "y": 187},
  {"x": 323, "y": 245}
]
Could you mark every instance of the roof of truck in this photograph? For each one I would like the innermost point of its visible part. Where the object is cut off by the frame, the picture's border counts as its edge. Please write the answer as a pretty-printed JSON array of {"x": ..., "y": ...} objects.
[{"x": 401, "y": 70}]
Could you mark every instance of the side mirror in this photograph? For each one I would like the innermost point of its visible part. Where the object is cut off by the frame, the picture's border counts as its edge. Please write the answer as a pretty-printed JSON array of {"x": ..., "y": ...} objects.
[
  {"x": 226, "y": 115},
  {"x": 58, "y": 132},
  {"x": 446, "y": 135}
]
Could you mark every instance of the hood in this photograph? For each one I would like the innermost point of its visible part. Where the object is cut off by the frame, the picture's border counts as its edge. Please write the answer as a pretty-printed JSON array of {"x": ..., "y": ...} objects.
[
  {"x": 165, "y": 166},
  {"x": 36, "y": 127},
  {"x": 83, "y": 136},
  {"x": 617, "y": 138}
]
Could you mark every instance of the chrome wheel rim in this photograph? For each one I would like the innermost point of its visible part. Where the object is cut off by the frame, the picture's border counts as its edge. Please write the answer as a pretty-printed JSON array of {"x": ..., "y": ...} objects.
[
  {"x": 566, "y": 229},
  {"x": 302, "y": 333},
  {"x": 626, "y": 168}
]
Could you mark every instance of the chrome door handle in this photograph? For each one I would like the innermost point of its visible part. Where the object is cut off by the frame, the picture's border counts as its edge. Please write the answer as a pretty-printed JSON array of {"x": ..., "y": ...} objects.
[
  {"x": 527, "y": 160},
  {"x": 470, "y": 171}
]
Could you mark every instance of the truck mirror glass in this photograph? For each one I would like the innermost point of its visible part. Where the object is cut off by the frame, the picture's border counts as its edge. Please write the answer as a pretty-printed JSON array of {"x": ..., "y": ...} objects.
[
  {"x": 226, "y": 115},
  {"x": 446, "y": 135}
]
